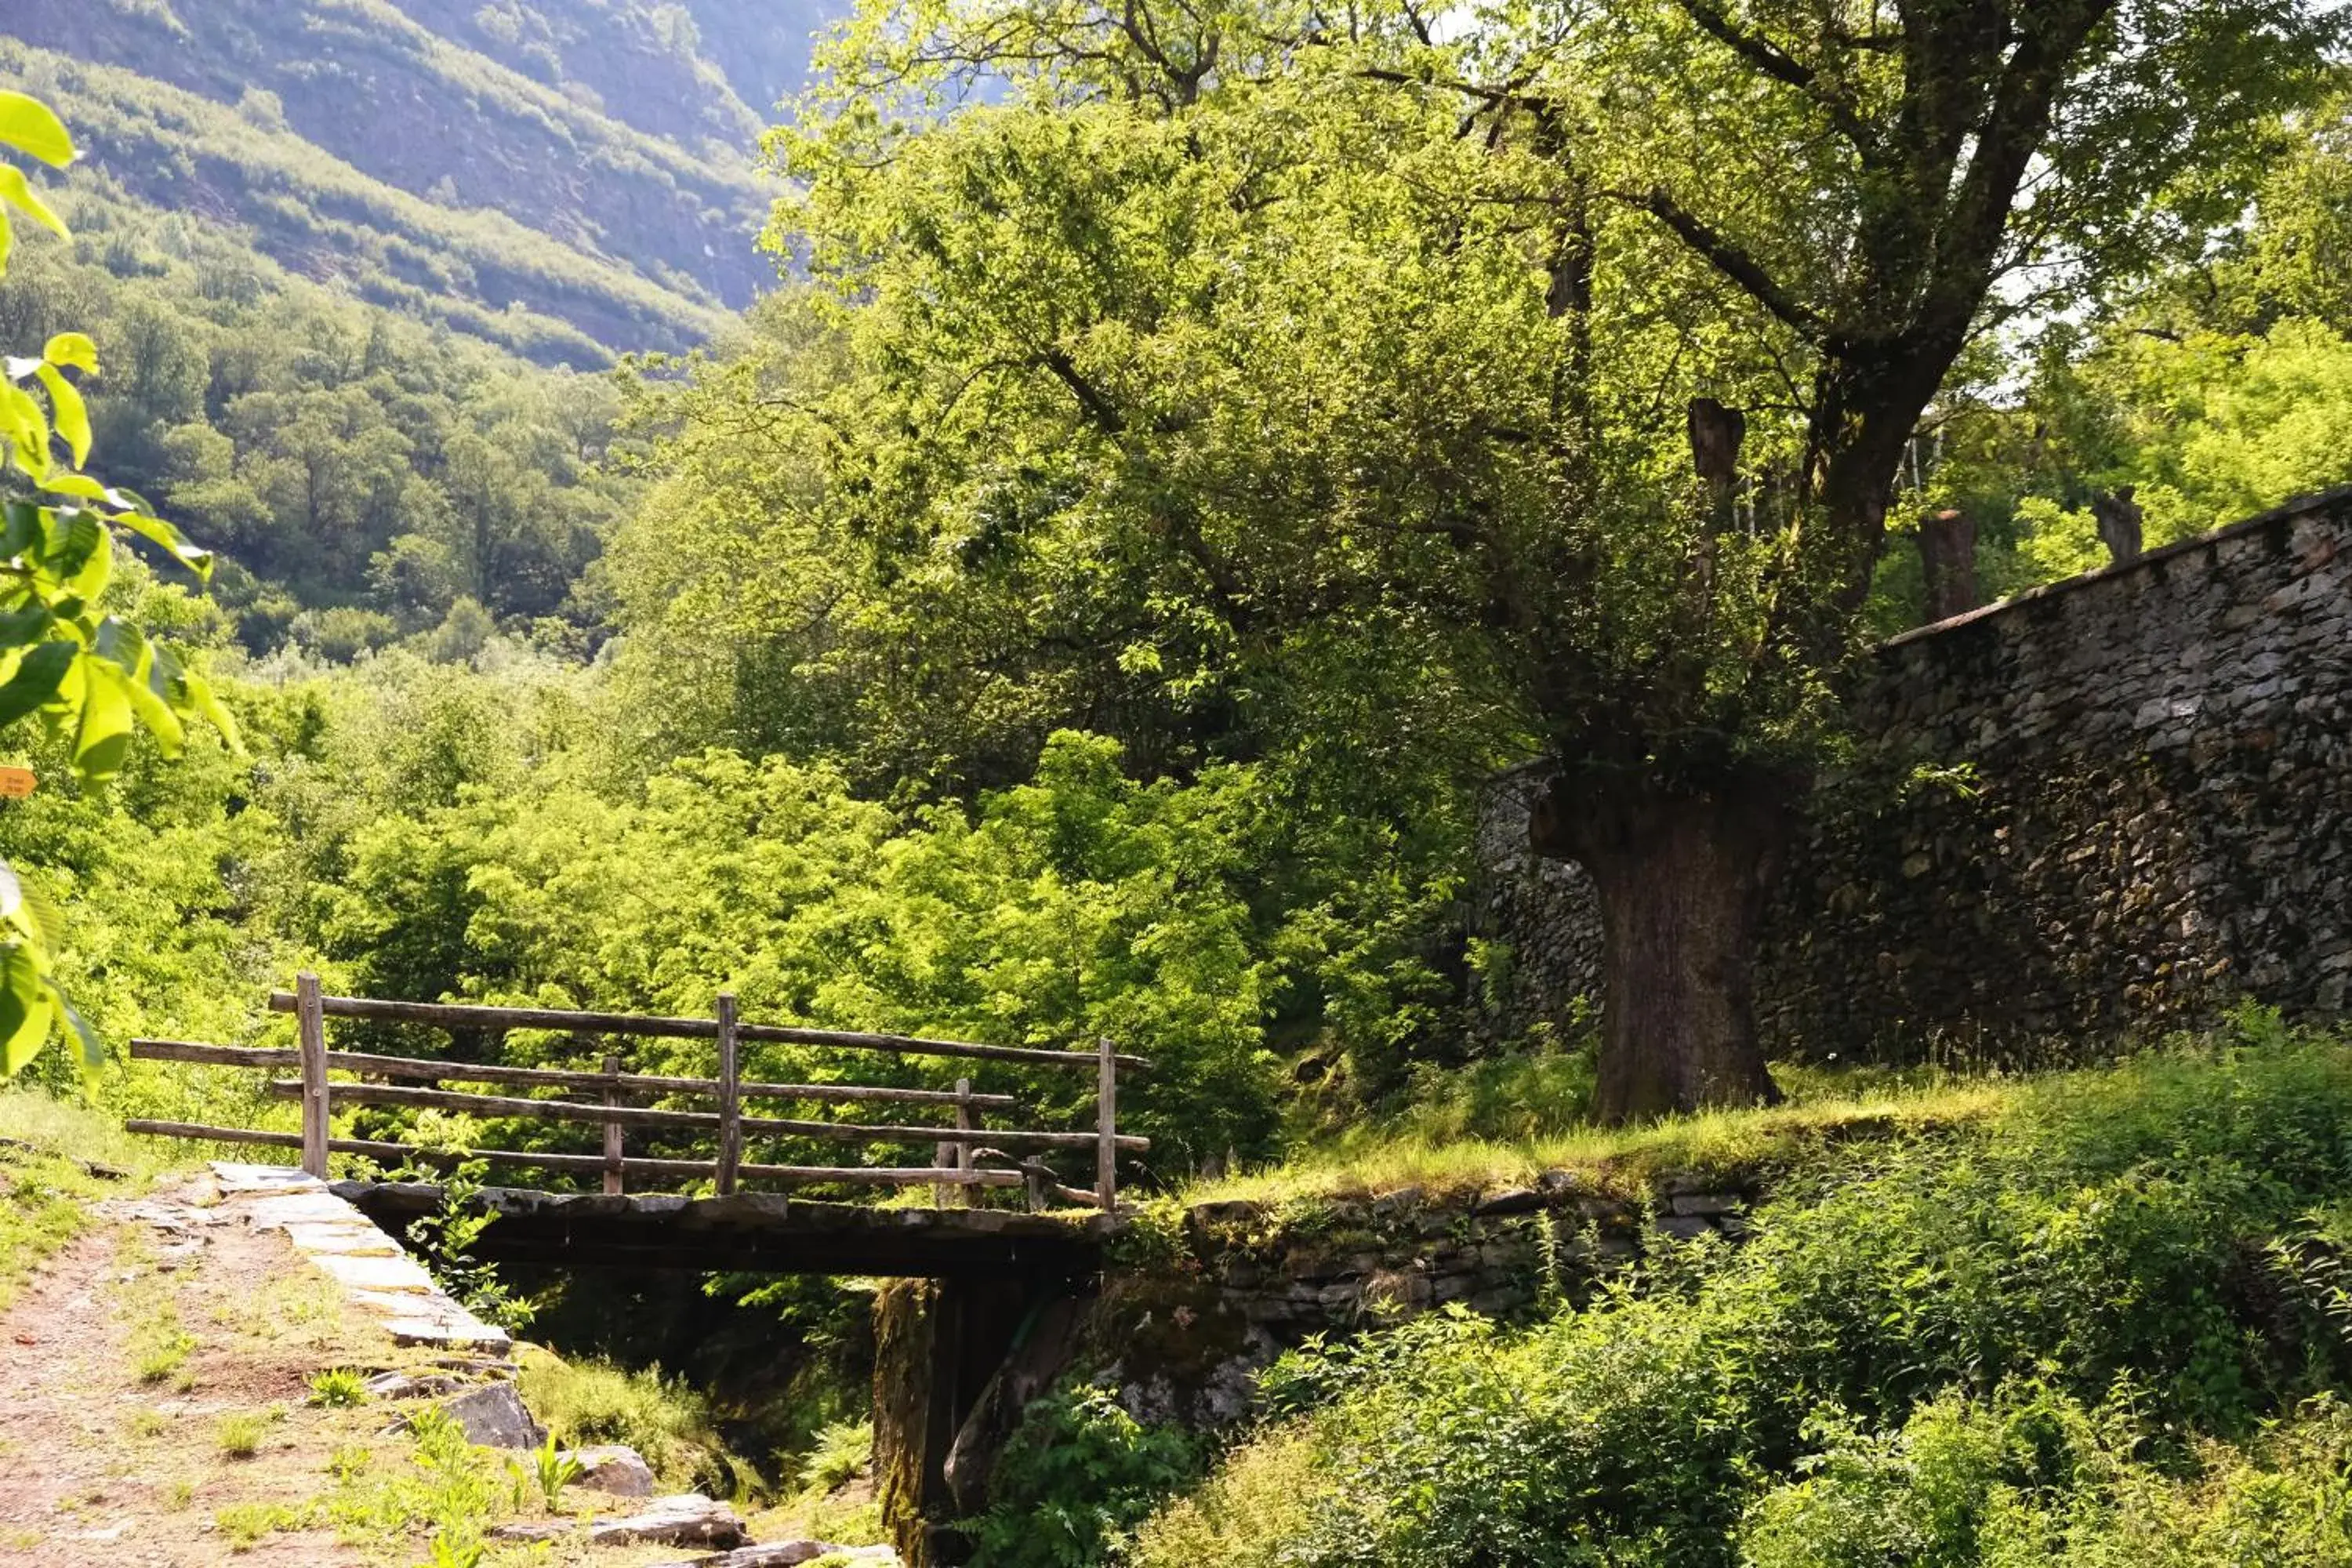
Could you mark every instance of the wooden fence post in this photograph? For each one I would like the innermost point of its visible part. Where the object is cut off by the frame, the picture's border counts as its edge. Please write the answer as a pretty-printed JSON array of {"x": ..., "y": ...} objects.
[
  {"x": 613, "y": 1147},
  {"x": 965, "y": 1123},
  {"x": 311, "y": 1028},
  {"x": 1106, "y": 1127},
  {"x": 730, "y": 1099}
]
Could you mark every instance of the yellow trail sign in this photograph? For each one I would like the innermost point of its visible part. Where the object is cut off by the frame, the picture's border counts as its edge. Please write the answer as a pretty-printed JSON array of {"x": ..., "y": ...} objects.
[{"x": 15, "y": 784}]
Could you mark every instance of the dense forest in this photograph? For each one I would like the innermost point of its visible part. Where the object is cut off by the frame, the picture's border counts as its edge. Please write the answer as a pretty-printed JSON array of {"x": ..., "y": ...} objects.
[{"x": 1074, "y": 576}]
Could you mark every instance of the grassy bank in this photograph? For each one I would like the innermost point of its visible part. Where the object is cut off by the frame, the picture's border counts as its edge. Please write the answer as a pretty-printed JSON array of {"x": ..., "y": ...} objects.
[{"x": 2085, "y": 1318}]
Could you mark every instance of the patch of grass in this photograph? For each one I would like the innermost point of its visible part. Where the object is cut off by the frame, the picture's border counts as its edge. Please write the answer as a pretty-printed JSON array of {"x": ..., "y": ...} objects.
[
  {"x": 46, "y": 1184},
  {"x": 246, "y": 1524},
  {"x": 1430, "y": 1149},
  {"x": 338, "y": 1388},
  {"x": 239, "y": 1437},
  {"x": 844, "y": 1451},
  {"x": 179, "y": 1494},
  {"x": 160, "y": 1347},
  {"x": 669, "y": 1425},
  {"x": 150, "y": 1424}
]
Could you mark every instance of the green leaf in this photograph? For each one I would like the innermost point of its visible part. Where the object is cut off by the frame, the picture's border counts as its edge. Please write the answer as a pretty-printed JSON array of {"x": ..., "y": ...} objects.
[
  {"x": 201, "y": 698},
  {"x": 33, "y": 127},
  {"x": 70, "y": 414},
  {"x": 103, "y": 739},
  {"x": 88, "y": 579},
  {"x": 18, "y": 191},
  {"x": 25, "y": 1005},
  {"x": 156, "y": 531},
  {"x": 93, "y": 1046},
  {"x": 72, "y": 350},
  {"x": 81, "y": 487},
  {"x": 26, "y": 427},
  {"x": 37, "y": 680},
  {"x": 146, "y": 701}
]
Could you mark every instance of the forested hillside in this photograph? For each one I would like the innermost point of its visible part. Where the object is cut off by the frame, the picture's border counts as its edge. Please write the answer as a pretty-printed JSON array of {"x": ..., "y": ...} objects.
[
  {"x": 561, "y": 178},
  {"x": 312, "y": 236}
]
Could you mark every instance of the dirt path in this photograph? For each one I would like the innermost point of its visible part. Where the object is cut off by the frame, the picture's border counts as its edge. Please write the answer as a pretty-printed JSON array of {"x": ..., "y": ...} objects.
[{"x": 128, "y": 1366}]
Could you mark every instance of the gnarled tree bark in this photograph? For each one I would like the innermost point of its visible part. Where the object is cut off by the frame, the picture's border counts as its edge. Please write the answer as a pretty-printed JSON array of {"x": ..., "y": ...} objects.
[{"x": 1682, "y": 875}]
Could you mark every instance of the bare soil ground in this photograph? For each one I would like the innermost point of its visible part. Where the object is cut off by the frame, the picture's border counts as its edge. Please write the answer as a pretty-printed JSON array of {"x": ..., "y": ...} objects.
[
  {"x": 110, "y": 1456},
  {"x": 155, "y": 1411}
]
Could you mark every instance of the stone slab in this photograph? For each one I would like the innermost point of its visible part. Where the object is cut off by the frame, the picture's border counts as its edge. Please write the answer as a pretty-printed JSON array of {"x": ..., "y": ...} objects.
[{"x": 374, "y": 1273}]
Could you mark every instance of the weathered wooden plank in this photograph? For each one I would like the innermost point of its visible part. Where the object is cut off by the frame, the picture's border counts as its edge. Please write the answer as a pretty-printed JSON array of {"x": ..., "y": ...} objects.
[
  {"x": 310, "y": 1026},
  {"x": 472, "y": 1016},
  {"x": 642, "y": 1116},
  {"x": 1106, "y": 1127},
  {"x": 877, "y": 1175},
  {"x": 730, "y": 1102},
  {"x": 434, "y": 1071}
]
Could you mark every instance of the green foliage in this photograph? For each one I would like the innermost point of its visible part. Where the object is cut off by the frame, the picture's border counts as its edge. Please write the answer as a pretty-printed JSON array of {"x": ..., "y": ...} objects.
[
  {"x": 1077, "y": 1472},
  {"x": 550, "y": 1470},
  {"x": 93, "y": 680},
  {"x": 1922, "y": 1348},
  {"x": 584, "y": 1402},
  {"x": 844, "y": 1451},
  {"x": 444, "y": 1241},
  {"x": 338, "y": 1387}
]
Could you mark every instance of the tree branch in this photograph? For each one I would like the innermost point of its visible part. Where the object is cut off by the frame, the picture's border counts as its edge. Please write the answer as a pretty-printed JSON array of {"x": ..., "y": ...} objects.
[
  {"x": 1783, "y": 67},
  {"x": 1727, "y": 259}
]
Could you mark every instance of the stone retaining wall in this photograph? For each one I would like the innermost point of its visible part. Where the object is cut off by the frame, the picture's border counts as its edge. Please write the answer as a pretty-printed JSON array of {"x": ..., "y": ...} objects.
[
  {"x": 2108, "y": 808},
  {"x": 1183, "y": 1334},
  {"x": 2160, "y": 821}
]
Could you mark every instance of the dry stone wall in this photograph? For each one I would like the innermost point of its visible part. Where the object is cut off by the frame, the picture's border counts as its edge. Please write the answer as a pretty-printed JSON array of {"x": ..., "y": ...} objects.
[
  {"x": 1182, "y": 1335},
  {"x": 2158, "y": 821},
  {"x": 2109, "y": 807}
]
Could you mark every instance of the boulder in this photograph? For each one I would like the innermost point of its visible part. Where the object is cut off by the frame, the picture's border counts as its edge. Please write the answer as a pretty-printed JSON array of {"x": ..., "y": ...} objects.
[
  {"x": 494, "y": 1417},
  {"x": 613, "y": 1468},
  {"x": 688, "y": 1519}
]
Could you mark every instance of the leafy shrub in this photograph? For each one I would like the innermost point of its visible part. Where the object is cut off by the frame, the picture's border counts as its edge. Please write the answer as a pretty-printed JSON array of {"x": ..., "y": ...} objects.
[
  {"x": 337, "y": 1388},
  {"x": 1921, "y": 1346},
  {"x": 669, "y": 1425},
  {"x": 1077, "y": 1473}
]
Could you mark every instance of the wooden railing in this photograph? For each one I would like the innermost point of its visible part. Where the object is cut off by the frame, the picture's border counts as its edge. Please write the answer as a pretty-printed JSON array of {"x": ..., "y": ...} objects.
[{"x": 957, "y": 1149}]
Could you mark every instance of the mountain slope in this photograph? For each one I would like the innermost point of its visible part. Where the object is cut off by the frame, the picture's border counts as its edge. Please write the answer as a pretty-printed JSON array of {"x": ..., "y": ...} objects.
[{"x": 579, "y": 162}]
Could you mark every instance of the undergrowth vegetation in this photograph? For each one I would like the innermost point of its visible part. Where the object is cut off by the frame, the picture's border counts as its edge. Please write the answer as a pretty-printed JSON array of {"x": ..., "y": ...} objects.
[
  {"x": 2100, "y": 1322},
  {"x": 582, "y": 1403}
]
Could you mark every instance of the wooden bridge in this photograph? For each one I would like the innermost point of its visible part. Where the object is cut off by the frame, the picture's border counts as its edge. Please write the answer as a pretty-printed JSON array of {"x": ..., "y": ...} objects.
[
  {"x": 973, "y": 1149},
  {"x": 975, "y": 1278}
]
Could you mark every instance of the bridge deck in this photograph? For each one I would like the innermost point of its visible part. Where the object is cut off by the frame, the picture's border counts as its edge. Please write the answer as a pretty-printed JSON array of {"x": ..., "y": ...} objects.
[{"x": 757, "y": 1231}]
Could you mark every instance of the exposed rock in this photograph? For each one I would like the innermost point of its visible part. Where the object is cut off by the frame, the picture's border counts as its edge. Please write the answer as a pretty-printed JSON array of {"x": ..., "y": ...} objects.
[
  {"x": 785, "y": 1554},
  {"x": 613, "y": 1468},
  {"x": 688, "y": 1519},
  {"x": 1516, "y": 1200},
  {"x": 414, "y": 1385},
  {"x": 494, "y": 1417}
]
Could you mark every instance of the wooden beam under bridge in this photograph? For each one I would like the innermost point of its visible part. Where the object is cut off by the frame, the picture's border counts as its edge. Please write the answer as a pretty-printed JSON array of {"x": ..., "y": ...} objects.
[{"x": 757, "y": 1232}]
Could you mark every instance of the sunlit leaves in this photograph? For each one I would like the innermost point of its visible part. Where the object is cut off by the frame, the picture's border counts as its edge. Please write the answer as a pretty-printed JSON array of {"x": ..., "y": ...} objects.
[
  {"x": 94, "y": 680},
  {"x": 31, "y": 127}
]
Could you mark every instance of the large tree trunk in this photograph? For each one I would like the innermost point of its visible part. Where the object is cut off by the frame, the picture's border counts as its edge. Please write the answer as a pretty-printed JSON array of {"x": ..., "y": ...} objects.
[{"x": 1682, "y": 876}]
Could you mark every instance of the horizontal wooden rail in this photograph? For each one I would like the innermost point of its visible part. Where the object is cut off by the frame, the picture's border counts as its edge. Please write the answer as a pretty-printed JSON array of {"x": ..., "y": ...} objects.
[
  {"x": 366, "y": 1063},
  {"x": 874, "y": 1175},
  {"x": 471, "y": 1016},
  {"x": 959, "y": 1151},
  {"x": 642, "y": 1116}
]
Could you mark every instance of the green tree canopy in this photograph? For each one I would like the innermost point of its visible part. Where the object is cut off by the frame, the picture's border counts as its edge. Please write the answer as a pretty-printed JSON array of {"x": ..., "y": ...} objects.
[{"x": 1343, "y": 374}]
